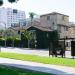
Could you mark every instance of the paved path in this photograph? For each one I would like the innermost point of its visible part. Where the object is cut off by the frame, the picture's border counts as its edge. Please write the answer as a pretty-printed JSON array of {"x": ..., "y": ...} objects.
[
  {"x": 40, "y": 52},
  {"x": 59, "y": 70}
]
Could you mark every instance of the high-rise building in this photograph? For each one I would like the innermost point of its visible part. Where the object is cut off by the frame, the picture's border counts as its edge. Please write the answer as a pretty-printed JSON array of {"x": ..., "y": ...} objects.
[{"x": 9, "y": 16}]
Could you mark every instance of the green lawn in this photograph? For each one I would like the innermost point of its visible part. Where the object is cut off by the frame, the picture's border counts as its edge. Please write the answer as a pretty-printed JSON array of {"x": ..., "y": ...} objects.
[
  {"x": 46, "y": 60},
  {"x": 4, "y": 70}
]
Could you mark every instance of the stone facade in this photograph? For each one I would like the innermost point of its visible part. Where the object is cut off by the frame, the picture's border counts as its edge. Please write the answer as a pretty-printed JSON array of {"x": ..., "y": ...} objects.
[{"x": 55, "y": 21}]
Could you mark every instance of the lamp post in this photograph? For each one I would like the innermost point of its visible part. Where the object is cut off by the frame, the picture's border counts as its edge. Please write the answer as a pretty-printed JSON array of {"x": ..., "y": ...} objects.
[{"x": 4, "y": 33}]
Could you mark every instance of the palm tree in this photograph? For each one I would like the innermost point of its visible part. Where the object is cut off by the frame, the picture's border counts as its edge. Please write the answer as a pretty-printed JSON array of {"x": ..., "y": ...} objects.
[
  {"x": 31, "y": 15},
  {"x": 33, "y": 40}
]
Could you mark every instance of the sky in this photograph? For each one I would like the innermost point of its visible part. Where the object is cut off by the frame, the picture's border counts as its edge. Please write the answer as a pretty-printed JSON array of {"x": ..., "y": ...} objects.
[{"x": 40, "y": 7}]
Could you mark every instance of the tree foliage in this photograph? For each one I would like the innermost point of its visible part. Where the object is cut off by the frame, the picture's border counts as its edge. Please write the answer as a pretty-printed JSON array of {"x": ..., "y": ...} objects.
[
  {"x": 54, "y": 36},
  {"x": 1, "y": 2},
  {"x": 8, "y": 34},
  {"x": 53, "y": 41},
  {"x": 31, "y": 15},
  {"x": 25, "y": 38},
  {"x": 10, "y": 1},
  {"x": 27, "y": 35}
]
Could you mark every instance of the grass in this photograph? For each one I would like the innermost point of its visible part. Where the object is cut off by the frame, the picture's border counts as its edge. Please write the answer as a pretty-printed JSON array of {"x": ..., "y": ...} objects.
[
  {"x": 45, "y": 60},
  {"x": 4, "y": 70}
]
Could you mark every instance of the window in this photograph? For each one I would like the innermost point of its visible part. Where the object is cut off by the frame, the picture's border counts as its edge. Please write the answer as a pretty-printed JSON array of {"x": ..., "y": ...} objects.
[
  {"x": 65, "y": 28},
  {"x": 59, "y": 28},
  {"x": 48, "y": 18},
  {"x": 68, "y": 44},
  {"x": 55, "y": 27},
  {"x": 64, "y": 18},
  {"x": 14, "y": 11},
  {"x": 19, "y": 32}
]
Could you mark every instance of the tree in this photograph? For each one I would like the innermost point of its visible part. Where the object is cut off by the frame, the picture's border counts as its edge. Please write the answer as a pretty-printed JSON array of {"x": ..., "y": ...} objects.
[
  {"x": 6, "y": 34},
  {"x": 10, "y": 1},
  {"x": 1, "y": 2},
  {"x": 31, "y": 15},
  {"x": 53, "y": 41},
  {"x": 1, "y": 33},
  {"x": 26, "y": 36}
]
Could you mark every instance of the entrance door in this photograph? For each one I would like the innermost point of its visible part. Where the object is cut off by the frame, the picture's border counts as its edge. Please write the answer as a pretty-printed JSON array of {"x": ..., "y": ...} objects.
[{"x": 72, "y": 48}]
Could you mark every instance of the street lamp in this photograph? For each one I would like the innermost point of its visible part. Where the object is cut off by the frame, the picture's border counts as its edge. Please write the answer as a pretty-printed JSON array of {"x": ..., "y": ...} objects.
[{"x": 5, "y": 29}]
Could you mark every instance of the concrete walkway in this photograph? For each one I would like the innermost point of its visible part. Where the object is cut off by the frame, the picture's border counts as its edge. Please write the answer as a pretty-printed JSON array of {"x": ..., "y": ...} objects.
[
  {"x": 59, "y": 70},
  {"x": 39, "y": 52}
]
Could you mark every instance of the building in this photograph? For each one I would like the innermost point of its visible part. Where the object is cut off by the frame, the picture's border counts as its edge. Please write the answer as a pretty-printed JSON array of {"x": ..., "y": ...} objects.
[
  {"x": 10, "y": 17},
  {"x": 55, "y": 21},
  {"x": 36, "y": 30},
  {"x": 69, "y": 36},
  {"x": 40, "y": 36},
  {"x": 23, "y": 22}
]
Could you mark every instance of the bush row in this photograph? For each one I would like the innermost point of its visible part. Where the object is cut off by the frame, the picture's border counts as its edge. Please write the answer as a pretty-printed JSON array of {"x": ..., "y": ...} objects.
[{"x": 10, "y": 42}]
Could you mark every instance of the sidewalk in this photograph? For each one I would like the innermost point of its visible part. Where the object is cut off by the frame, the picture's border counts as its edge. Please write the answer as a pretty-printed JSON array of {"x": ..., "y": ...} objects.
[
  {"x": 59, "y": 70},
  {"x": 39, "y": 52}
]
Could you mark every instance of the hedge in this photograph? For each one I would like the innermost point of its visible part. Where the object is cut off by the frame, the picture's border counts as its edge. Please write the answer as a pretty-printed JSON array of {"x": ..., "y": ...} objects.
[{"x": 10, "y": 42}]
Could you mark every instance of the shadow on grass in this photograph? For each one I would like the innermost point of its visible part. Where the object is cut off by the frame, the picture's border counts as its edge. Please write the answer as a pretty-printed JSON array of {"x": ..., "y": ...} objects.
[{"x": 37, "y": 69}]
